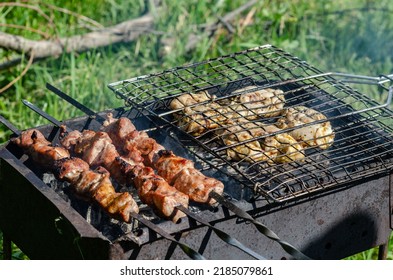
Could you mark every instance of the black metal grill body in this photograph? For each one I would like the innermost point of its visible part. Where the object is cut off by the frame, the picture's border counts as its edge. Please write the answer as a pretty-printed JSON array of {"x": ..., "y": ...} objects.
[{"x": 330, "y": 224}]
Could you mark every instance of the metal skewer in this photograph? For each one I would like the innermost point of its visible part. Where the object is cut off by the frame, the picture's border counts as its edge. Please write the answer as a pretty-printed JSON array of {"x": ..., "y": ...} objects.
[
  {"x": 9, "y": 125},
  {"x": 290, "y": 249},
  {"x": 222, "y": 235}
]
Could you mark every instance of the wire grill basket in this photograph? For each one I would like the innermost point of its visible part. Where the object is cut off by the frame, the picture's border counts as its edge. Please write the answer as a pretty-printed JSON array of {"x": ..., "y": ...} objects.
[{"x": 278, "y": 125}]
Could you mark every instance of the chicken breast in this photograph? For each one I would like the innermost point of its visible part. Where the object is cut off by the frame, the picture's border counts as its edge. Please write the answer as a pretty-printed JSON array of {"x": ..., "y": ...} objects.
[
  {"x": 312, "y": 135},
  {"x": 253, "y": 103},
  {"x": 277, "y": 148},
  {"x": 197, "y": 119}
]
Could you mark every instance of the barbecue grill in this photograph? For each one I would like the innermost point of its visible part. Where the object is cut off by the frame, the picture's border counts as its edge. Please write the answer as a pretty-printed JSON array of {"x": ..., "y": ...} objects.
[{"x": 332, "y": 204}]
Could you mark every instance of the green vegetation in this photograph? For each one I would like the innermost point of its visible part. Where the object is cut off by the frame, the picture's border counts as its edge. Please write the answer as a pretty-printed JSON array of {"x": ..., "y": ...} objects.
[{"x": 343, "y": 36}]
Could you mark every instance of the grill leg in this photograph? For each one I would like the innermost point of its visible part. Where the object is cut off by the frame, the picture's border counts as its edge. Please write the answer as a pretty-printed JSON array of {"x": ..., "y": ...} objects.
[
  {"x": 383, "y": 251},
  {"x": 7, "y": 247}
]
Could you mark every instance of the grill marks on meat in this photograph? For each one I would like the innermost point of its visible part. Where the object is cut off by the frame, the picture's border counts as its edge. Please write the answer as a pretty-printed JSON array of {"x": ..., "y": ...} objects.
[
  {"x": 90, "y": 185},
  {"x": 170, "y": 167},
  {"x": 97, "y": 149}
]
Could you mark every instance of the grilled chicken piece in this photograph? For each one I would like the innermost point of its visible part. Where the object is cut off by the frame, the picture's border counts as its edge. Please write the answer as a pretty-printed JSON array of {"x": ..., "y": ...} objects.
[
  {"x": 313, "y": 135},
  {"x": 39, "y": 149},
  {"x": 278, "y": 148},
  {"x": 197, "y": 119},
  {"x": 96, "y": 187},
  {"x": 158, "y": 194},
  {"x": 250, "y": 151},
  {"x": 253, "y": 103},
  {"x": 189, "y": 99}
]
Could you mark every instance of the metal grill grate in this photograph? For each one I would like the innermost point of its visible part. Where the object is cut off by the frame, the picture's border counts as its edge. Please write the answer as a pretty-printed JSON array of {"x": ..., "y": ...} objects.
[{"x": 362, "y": 129}]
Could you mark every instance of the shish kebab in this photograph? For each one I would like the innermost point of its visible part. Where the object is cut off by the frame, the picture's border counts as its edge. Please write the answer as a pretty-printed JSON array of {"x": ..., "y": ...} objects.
[
  {"x": 97, "y": 149},
  {"x": 219, "y": 198},
  {"x": 89, "y": 184}
]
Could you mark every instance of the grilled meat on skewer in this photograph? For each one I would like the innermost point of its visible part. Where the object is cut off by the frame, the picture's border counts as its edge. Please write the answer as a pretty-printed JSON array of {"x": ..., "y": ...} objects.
[
  {"x": 129, "y": 141},
  {"x": 153, "y": 190},
  {"x": 39, "y": 149},
  {"x": 182, "y": 174},
  {"x": 158, "y": 194},
  {"x": 170, "y": 166},
  {"x": 313, "y": 135},
  {"x": 96, "y": 186},
  {"x": 91, "y": 185}
]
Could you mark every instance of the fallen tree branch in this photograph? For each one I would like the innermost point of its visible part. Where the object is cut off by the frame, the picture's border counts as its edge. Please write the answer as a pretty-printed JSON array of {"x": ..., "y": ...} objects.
[
  {"x": 29, "y": 63},
  {"x": 123, "y": 32},
  {"x": 210, "y": 29}
]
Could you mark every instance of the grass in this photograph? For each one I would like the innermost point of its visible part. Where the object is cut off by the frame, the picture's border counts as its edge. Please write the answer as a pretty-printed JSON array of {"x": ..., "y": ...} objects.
[{"x": 343, "y": 35}]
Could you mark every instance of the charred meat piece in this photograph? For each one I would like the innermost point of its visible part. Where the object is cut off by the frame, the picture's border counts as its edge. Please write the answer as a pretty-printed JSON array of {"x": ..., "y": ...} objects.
[
  {"x": 26, "y": 138},
  {"x": 197, "y": 186},
  {"x": 310, "y": 134},
  {"x": 118, "y": 129},
  {"x": 132, "y": 144},
  {"x": 168, "y": 165}
]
